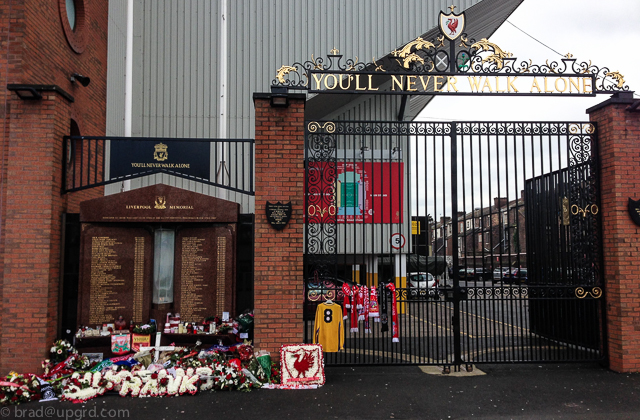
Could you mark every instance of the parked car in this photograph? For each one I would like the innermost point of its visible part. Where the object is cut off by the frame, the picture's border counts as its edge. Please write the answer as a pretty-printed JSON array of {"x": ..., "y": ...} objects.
[
  {"x": 499, "y": 273},
  {"x": 480, "y": 273},
  {"x": 422, "y": 284},
  {"x": 517, "y": 275},
  {"x": 474, "y": 273},
  {"x": 466, "y": 274}
]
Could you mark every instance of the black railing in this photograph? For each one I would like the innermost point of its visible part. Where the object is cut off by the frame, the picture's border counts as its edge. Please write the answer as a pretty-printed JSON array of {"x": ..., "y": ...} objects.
[{"x": 91, "y": 161}]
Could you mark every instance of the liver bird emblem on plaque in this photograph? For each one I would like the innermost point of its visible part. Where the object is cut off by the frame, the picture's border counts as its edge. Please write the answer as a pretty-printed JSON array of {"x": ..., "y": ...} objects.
[{"x": 451, "y": 25}]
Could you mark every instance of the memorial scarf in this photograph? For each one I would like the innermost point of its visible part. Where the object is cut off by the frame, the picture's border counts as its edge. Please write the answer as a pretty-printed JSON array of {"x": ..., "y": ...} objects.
[
  {"x": 373, "y": 304},
  {"x": 354, "y": 309},
  {"x": 361, "y": 294},
  {"x": 365, "y": 292},
  {"x": 394, "y": 313},
  {"x": 382, "y": 297},
  {"x": 346, "y": 291}
]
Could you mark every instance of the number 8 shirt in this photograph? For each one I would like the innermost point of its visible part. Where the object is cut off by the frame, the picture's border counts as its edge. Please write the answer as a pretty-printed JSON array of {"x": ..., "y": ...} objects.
[{"x": 328, "y": 329}]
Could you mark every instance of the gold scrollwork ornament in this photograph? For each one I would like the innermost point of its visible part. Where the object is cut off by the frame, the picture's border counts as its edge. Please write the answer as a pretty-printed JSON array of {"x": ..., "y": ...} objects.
[
  {"x": 378, "y": 66},
  {"x": 615, "y": 75},
  {"x": 283, "y": 71},
  {"x": 595, "y": 293},
  {"x": 593, "y": 209},
  {"x": 328, "y": 126},
  {"x": 418, "y": 44},
  {"x": 587, "y": 128},
  {"x": 496, "y": 56}
]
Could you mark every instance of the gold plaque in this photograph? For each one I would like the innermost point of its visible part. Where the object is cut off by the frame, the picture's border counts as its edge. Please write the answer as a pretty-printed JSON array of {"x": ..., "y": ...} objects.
[
  {"x": 160, "y": 154},
  {"x": 161, "y": 202}
]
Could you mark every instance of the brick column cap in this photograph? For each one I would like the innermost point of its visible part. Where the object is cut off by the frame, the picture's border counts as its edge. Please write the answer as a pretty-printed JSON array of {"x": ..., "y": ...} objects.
[
  {"x": 267, "y": 95},
  {"x": 616, "y": 98},
  {"x": 41, "y": 88}
]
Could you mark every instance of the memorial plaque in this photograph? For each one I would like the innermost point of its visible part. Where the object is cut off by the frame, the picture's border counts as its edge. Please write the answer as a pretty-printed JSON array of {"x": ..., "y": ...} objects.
[
  {"x": 278, "y": 214},
  {"x": 115, "y": 263},
  {"x": 139, "y": 156},
  {"x": 205, "y": 272},
  {"x": 159, "y": 204},
  {"x": 117, "y": 255}
]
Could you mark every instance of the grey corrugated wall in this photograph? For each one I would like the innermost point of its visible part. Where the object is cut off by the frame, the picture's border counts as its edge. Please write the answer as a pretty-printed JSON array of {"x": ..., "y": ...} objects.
[
  {"x": 176, "y": 59},
  {"x": 116, "y": 67}
]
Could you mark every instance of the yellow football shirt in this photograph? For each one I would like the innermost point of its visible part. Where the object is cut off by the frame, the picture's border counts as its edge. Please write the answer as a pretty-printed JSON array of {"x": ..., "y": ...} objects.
[{"x": 328, "y": 329}]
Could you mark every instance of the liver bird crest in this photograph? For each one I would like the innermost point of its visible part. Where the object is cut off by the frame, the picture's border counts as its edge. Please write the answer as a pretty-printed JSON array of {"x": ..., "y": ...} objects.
[{"x": 452, "y": 24}]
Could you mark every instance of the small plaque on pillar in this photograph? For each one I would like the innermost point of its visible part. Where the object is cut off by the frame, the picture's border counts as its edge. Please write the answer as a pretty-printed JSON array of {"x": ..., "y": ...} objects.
[
  {"x": 634, "y": 211},
  {"x": 278, "y": 214}
]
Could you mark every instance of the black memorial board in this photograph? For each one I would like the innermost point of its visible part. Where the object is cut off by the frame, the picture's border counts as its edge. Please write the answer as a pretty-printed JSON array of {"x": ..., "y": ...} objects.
[
  {"x": 634, "y": 211},
  {"x": 278, "y": 214},
  {"x": 137, "y": 157}
]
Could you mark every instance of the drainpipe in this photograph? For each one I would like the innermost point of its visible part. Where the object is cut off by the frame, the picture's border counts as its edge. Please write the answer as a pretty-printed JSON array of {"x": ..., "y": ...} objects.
[
  {"x": 223, "y": 103},
  {"x": 128, "y": 82}
]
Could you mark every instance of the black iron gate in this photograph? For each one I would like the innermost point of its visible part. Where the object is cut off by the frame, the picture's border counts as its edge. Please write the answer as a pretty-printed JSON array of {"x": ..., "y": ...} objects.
[{"x": 489, "y": 233}]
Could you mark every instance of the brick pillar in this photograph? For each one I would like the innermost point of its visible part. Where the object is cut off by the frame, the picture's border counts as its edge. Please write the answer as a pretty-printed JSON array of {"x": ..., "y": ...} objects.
[
  {"x": 278, "y": 272},
  {"x": 618, "y": 126},
  {"x": 32, "y": 211}
]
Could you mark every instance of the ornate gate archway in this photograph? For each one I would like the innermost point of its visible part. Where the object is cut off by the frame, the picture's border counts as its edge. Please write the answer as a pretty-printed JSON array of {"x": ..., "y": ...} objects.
[
  {"x": 502, "y": 215},
  {"x": 489, "y": 232}
]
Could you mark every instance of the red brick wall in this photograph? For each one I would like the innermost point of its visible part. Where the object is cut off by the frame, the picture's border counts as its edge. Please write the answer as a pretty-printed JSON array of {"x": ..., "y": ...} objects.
[
  {"x": 34, "y": 50},
  {"x": 619, "y": 134},
  {"x": 278, "y": 285}
]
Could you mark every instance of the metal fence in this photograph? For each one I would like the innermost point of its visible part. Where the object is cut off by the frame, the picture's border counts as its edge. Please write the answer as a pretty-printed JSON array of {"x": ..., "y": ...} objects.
[{"x": 92, "y": 161}]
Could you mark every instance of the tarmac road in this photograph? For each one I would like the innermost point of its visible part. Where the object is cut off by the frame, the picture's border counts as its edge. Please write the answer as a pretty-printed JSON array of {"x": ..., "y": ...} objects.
[{"x": 525, "y": 391}]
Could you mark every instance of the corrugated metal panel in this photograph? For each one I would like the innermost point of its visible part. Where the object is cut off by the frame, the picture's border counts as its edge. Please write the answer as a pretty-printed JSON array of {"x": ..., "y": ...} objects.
[
  {"x": 116, "y": 65},
  {"x": 296, "y": 30},
  {"x": 177, "y": 60},
  {"x": 116, "y": 56},
  {"x": 177, "y": 43}
]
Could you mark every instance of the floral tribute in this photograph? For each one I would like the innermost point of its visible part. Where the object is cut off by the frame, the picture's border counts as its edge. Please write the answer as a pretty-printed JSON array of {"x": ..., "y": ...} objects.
[
  {"x": 302, "y": 365},
  {"x": 61, "y": 350},
  {"x": 16, "y": 389},
  {"x": 184, "y": 371},
  {"x": 145, "y": 329},
  {"x": 82, "y": 387}
]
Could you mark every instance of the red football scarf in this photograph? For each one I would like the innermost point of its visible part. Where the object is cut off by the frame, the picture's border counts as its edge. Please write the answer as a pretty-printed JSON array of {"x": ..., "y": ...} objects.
[
  {"x": 365, "y": 291},
  {"x": 346, "y": 291},
  {"x": 361, "y": 303},
  {"x": 354, "y": 309},
  {"x": 373, "y": 304},
  {"x": 384, "y": 318},
  {"x": 394, "y": 313}
]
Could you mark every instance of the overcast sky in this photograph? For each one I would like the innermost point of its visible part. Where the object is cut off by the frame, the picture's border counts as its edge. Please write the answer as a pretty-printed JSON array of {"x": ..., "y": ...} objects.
[{"x": 607, "y": 33}]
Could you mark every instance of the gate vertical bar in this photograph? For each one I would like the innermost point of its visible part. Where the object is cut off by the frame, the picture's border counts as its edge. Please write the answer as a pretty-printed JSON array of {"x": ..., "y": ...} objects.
[
  {"x": 455, "y": 321},
  {"x": 306, "y": 313}
]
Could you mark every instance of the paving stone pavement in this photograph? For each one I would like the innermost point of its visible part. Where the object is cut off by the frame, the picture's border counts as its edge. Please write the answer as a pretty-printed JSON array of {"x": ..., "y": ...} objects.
[{"x": 514, "y": 391}]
